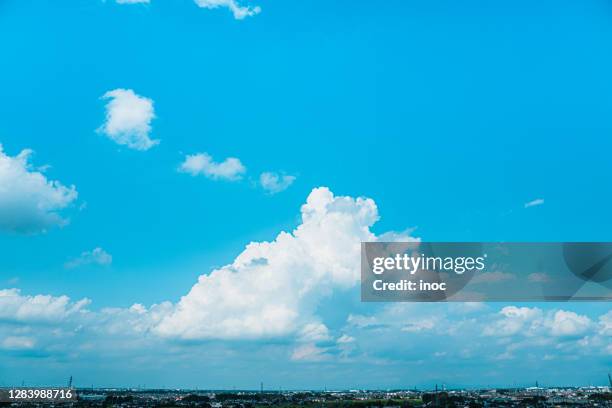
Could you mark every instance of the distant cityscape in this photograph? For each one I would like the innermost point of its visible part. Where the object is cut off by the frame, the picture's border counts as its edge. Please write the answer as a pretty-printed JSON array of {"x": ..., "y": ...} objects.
[{"x": 535, "y": 396}]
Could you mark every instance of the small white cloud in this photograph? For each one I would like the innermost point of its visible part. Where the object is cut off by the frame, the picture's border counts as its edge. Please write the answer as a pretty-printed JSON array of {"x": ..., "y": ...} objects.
[
  {"x": 345, "y": 339},
  {"x": 29, "y": 202},
  {"x": 202, "y": 163},
  {"x": 240, "y": 12},
  {"x": 128, "y": 119},
  {"x": 534, "y": 203},
  {"x": 97, "y": 256},
  {"x": 17, "y": 343},
  {"x": 274, "y": 182}
]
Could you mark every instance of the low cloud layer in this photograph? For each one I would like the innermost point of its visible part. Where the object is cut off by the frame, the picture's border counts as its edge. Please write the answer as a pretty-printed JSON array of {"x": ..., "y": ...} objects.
[
  {"x": 28, "y": 309},
  {"x": 275, "y": 298}
]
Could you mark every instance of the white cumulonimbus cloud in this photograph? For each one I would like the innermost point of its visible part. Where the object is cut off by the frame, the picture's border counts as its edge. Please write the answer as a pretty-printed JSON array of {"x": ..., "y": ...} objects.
[
  {"x": 96, "y": 256},
  {"x": 29, "y": 202},
  {"x": 128, "y": 119},
  {"x": 230, "y": 169},
  {"x": 239, "y": 12},
  {"x": 275, "y": 183},
  {"x": 272, "y": 288}
]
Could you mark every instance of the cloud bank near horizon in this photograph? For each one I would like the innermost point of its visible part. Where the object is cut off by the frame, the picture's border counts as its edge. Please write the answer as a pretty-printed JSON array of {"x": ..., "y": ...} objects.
[{"x": 272, "y": 296}]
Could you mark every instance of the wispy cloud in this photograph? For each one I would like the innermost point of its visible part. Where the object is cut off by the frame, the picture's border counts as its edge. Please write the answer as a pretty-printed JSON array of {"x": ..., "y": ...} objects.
[
  {"x": 345, "y": 339},
  {"x": 96, "y": 256},
  {"x": 534, "y": 203},
  {"x": 128, "y": 119},
  {"x": 17, "y": 343},
  {"x": 230, "y": 169},
  {"x": 239, "y": 12},
  {"x": 309, "y": 353},
  {"x": 275, "y": 183}
]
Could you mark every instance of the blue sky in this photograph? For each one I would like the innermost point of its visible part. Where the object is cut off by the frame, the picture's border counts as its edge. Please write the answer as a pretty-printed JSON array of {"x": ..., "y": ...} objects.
[{"x": 449, "y": 116}]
